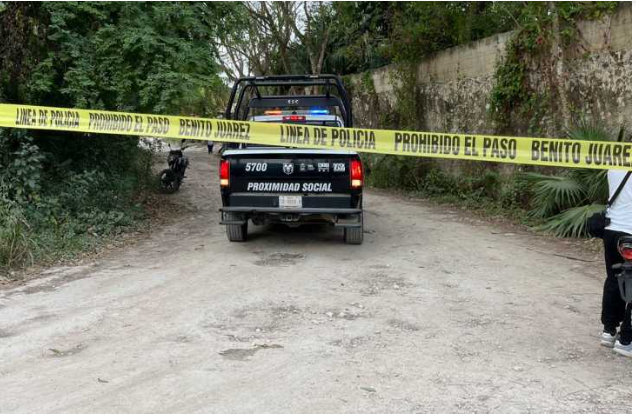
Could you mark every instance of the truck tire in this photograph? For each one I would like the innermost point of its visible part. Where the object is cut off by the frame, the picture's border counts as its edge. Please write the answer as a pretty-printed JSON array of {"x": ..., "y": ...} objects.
[
  {"x": 235, "y": 233},
  {"x": 354, "y": 236}
]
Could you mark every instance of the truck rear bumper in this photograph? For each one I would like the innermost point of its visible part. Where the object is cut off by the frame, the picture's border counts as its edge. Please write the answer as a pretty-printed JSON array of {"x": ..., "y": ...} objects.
[
  {"x": 343, "y": 217},
  {"x": 318, "y": 211},
  {"x": 271, "y": 201}
]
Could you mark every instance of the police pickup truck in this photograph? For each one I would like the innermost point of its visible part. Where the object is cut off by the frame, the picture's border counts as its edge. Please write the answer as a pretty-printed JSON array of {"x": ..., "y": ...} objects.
[{"x": 292, "y": 186}]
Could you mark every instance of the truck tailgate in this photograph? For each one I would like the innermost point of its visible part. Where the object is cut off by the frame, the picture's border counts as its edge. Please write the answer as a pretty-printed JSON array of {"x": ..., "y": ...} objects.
[{"x": 289, "y": 171}]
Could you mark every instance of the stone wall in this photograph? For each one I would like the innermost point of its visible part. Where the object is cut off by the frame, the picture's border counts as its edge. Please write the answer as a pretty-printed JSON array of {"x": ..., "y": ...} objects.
[
  {"x": 600, "y": 66},
  {"x": 453, "y": 87}
]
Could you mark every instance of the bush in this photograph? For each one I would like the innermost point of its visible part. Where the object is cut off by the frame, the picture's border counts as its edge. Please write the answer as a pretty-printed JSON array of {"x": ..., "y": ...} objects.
[
  {"x": 50, "y": 208},
  {"x": 428, "y": 179},
  {"x": 565, "y": 201}
]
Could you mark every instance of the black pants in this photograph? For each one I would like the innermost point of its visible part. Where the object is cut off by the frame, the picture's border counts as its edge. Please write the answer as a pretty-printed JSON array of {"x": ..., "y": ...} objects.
[
  {"x": 210, "y": 147},
  {"x": 615, "y": 311}
]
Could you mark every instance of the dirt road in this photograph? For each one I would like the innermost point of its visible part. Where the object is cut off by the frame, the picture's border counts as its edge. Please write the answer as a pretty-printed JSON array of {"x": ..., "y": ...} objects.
[{"x": 430, "y": 314}]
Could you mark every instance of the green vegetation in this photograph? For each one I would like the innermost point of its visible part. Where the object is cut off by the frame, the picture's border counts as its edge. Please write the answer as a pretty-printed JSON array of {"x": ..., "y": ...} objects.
[{"x": 61, "y": 192}]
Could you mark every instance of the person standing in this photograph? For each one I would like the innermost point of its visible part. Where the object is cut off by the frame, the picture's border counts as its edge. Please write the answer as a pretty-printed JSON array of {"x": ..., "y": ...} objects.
[
  {"x": 210, "y": 146},
  {"x": 615, "y": 312}
]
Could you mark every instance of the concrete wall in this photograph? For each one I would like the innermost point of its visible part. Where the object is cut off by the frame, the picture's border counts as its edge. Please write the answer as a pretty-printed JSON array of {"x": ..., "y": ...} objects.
[{"x": 454, "y": 86}]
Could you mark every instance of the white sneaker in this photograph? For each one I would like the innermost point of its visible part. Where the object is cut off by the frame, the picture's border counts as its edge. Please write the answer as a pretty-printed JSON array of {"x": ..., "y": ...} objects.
[
  {"x": 623, "y": 349},
  {"x": 608, "y": 339}
]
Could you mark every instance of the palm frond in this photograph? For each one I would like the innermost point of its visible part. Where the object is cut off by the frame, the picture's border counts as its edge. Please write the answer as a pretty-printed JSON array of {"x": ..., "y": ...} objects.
[
  {"x": 553, "y": 193},
  {"x": 571, "y": 222},
  {"x": 594, "y": 182},
  {"x": 590, "y": 131}
]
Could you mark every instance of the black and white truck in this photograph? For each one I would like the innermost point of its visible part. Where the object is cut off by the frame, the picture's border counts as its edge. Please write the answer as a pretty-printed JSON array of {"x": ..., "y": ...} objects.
[{"x": 292, "y": 186}]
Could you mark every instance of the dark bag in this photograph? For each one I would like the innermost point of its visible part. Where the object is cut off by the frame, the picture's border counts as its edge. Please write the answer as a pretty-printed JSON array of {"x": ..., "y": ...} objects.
[{"x": 597, "y": 223}]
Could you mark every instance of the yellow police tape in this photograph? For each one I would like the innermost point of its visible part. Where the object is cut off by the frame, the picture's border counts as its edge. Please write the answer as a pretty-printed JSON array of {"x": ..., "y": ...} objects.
[{"x": 519, "y": 150}]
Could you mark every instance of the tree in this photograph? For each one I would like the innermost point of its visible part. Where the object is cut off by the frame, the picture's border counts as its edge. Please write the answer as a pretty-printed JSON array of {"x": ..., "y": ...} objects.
[
  {"x": 131, "y": 56},
  {"x": 360, "y": 36},
  {"x": 318, "y": 24},
  {"x": 273, "y": 37},
  {"x": 56, "y": 187},
  {"x": 271, "y": 18},
  {"x": 247, "y": 46}
]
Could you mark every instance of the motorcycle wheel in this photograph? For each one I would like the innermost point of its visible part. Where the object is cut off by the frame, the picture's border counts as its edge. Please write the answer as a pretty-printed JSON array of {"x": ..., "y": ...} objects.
[{"x": 168, "y": 181}]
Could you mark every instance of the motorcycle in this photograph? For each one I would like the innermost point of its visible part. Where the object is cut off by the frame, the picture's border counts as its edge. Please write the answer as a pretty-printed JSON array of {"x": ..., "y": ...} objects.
[
  {"x": 624, "y": 275},
  {"x": 170, "y": 179}
]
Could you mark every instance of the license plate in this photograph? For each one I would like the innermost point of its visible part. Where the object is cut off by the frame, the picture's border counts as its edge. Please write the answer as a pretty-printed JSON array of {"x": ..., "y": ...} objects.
[{"x": 290, "y": 202}]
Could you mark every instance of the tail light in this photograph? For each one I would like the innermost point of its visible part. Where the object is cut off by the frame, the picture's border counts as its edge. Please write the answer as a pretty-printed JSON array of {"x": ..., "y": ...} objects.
[
  {"x": 625, "y": 249},
  {"x": 355, "y": 168},
  {"x": 224, "y": 173}
]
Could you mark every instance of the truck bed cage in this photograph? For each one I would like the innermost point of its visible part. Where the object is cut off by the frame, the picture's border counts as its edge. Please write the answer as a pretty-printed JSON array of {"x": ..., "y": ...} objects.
[{"x": 250, "y": 85}]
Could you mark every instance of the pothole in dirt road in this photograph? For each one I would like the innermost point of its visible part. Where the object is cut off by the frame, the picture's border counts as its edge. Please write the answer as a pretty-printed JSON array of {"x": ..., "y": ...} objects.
[
  {"x": 66, "y": 352},
  {"x": 351, "y": 342},
  {"x": 285, "y": 311},
  {"x": 240, "y": 339},
  {"x": 245, "y": 354},
  {"x": 402, "y": 325},
  {"x": 238, "y": 354},
  {"x": 280, "y": 259},
  {"x": 465, "y": 354}
]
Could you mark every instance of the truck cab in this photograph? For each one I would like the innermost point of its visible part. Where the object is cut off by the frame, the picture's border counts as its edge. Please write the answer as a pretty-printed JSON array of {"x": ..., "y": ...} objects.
[{"x": 293, "y": 186}]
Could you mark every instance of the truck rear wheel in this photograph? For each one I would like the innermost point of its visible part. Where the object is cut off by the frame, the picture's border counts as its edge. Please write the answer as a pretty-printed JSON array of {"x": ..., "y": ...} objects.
[
  {"x": 235, "y": 233},
  {"x": 354, "y": 236}
]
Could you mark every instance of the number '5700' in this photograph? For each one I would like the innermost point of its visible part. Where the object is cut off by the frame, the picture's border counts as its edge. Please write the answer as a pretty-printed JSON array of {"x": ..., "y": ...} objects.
[{"x": 256, "y": 167}]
